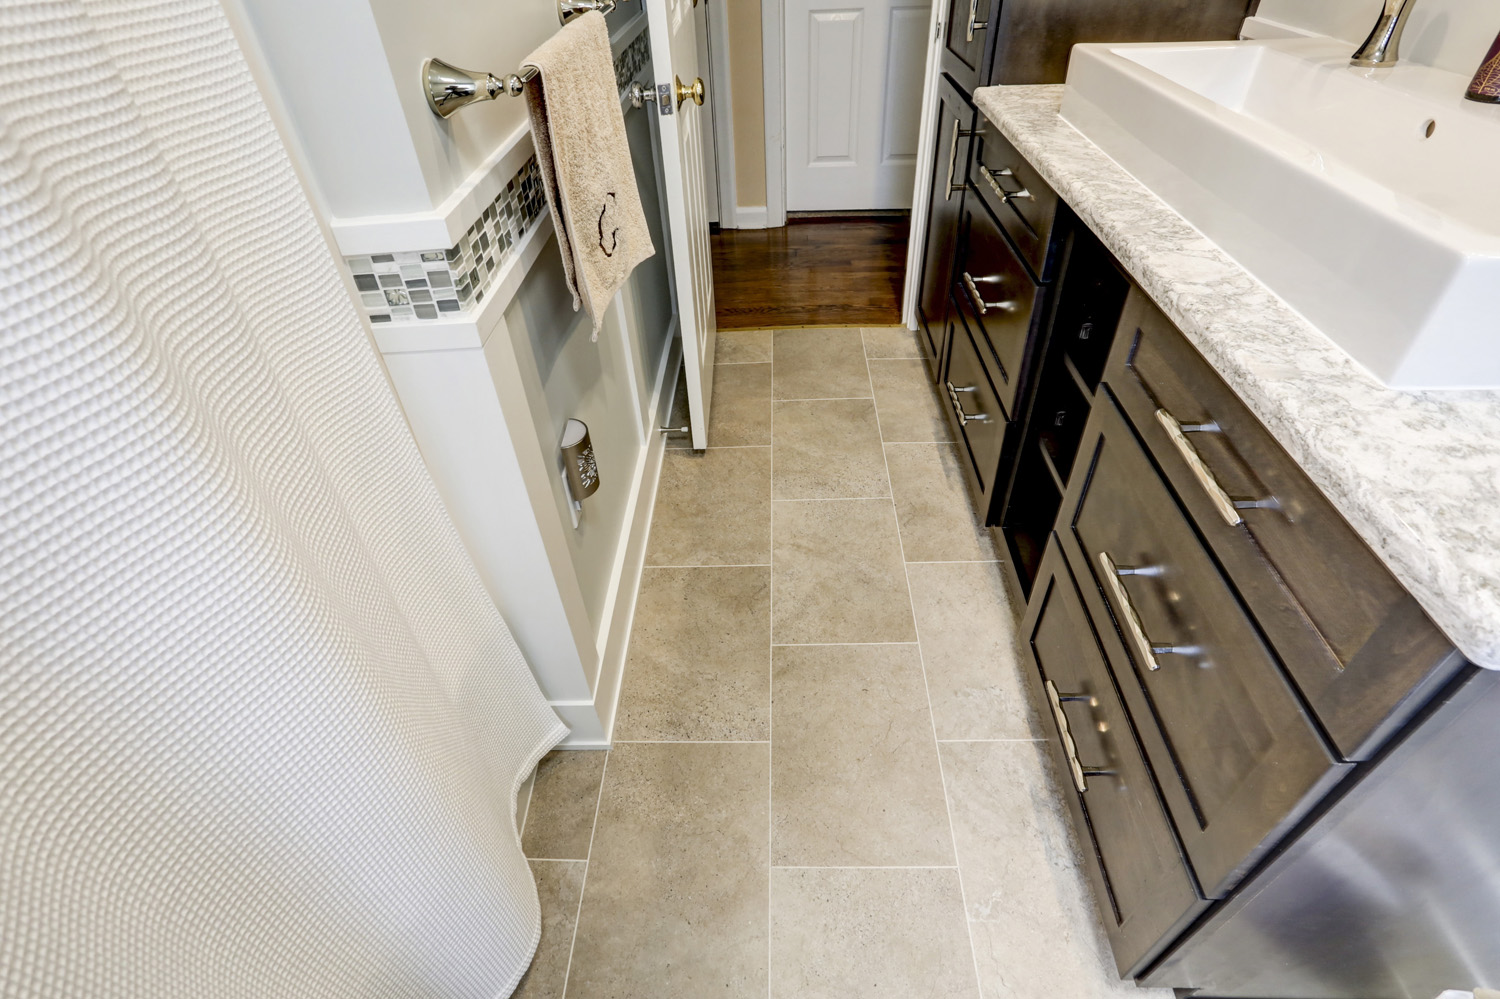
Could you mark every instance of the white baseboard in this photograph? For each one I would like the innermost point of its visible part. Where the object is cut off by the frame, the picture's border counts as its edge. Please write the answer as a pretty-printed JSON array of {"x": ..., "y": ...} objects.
[{"x": 751, "y": 217}]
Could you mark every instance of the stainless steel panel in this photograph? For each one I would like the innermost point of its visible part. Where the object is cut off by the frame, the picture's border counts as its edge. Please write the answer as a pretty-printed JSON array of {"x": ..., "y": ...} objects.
[{"x": 1394, "y": 894}]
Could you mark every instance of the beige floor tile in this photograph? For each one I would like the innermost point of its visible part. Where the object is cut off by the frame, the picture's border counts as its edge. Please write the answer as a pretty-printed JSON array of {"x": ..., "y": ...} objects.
[
  {"x": 676, "y": 901},
  {"x": 679, "y": 417},
  {"x": 713, "y": 508},
  {"x": 563, "y": 800},
  {"x": 893, "y": 341},
  {"x": 827, "y": 450},
  {"x": 938, "y": 521},
  {"x": 907, "y": 402},
  {"x": 837, "y": 574},
  {"x": 741, "y": 413},
  {"x": 842, "y": 934},
  {"x": 699, "y": 661},
  {"x": 1036, "y": 933},
  {"x": 820, "y": 364},
  {"x": 558, "y": 885},
  {"x": 968, "y": 648},
  {"x": 742, "y": 346},
  {"x": 855, "y": 778}
]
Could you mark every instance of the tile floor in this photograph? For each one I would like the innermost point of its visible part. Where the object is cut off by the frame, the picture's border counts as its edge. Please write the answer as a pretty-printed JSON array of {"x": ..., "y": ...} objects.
[{"x": 824, "y": 782}]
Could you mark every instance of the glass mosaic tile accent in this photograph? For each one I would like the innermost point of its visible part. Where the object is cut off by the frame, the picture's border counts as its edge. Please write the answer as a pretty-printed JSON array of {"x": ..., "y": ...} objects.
[
  {"x": 429, "y": 284},
  {"x": 443, "y": 284},
  {"x": 630, "y": 61}
]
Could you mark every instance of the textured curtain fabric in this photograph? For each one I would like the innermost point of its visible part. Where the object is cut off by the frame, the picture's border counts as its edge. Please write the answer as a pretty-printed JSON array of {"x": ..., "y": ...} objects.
[{"x": 261, "y": 727}]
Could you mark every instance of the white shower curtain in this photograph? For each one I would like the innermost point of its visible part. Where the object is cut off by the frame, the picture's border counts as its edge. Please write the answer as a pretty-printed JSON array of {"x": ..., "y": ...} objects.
[{"x": 261, "y": 727}]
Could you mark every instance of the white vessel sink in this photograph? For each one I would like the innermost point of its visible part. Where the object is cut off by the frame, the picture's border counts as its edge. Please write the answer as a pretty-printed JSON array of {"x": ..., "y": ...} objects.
[{"x": 1368, "y": 199}]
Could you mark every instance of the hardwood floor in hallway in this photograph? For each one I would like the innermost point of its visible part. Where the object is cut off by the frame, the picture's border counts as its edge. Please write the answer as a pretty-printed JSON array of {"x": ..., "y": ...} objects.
[
  {"x": 812, "y": 272},
  {"x": 825, "y": 781}
]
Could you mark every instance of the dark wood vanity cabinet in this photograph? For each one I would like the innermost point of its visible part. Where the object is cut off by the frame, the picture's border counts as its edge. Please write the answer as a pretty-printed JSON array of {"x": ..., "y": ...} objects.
[
  {"x": 1221, "y": 660},
  {"x": 1201, "y": 604}
]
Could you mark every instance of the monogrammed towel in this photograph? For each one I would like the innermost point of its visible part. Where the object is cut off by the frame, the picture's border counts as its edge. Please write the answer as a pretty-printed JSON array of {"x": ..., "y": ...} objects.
[{"x": 579, "y": 131}]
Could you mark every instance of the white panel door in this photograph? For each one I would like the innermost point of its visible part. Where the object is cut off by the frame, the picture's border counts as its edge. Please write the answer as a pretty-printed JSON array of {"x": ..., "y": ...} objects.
[
  {"x": 853, "y": 102},
  {"x": 674, "y": 60}
]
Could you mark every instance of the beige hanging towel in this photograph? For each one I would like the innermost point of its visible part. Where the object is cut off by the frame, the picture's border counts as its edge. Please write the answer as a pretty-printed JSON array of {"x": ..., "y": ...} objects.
[{"x": 579, "y": 131}]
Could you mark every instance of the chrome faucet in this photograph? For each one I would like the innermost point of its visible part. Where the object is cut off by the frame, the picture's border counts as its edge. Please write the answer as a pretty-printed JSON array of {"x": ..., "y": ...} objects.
[{"x": 1381, "y": 48}]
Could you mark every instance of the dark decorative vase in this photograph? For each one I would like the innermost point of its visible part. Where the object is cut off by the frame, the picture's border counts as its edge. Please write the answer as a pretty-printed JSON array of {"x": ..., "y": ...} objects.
[{"x": 1486, "y": 84}]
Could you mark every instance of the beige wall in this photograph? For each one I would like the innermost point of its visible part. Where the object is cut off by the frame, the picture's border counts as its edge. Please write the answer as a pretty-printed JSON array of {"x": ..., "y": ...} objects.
[{"x": 746, "y": 83}]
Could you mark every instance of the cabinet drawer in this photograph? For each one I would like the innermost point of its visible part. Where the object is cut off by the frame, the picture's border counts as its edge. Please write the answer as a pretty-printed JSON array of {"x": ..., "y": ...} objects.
[
  {"x": 1018, "y": 196},
  {"x": 997, "y": 297},
  {"x": 1144, "y": 891},
  {"x": 1238, "y": 757},
  {"x": 1356, "y": 644},
  {"x": 975, "y": 407}
]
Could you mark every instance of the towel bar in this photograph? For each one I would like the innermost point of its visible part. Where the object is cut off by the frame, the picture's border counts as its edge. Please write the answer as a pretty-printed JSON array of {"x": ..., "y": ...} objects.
[{"x": 571, "y": 8}]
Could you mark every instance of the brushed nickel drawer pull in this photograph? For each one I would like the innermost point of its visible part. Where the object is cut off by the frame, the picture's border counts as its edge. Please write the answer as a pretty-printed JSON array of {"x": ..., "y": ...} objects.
[
  {"x": 1147, "y": 649},
  {"x": 953, "y": 158},
  {"x": 971, "y": 285},
  {"x": 973, "y": 24},
  {"x": 989, "y": 178},
  {"x": 1227, "y": 506},
  {"x": 964, "y": 419},
  {"x": 1070, "y": 748}
]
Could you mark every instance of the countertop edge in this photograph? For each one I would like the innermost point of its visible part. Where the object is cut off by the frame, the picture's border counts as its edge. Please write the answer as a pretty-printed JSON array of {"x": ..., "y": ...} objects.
[{"x": 1416, "y": 474}]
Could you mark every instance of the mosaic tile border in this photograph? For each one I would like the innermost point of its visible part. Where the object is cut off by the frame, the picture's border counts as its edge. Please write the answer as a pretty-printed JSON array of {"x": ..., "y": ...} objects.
[{"x": 428, "y": 285}]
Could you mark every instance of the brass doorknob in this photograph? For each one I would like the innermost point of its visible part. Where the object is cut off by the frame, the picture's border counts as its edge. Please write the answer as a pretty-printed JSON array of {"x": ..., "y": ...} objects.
[{"x": 695, "y": 91}]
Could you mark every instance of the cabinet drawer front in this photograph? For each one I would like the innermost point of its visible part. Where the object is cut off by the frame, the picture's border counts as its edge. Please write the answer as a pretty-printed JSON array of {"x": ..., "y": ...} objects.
[
  {"x": 974, "y": 407},
  {"x": 1018, "y": 196},
  {"x": 1356, "y": 644},
  {"x": 1238, "y": 757},
  {"x": 1141, "y": 885},
  {"x": 997, "y": 296}
]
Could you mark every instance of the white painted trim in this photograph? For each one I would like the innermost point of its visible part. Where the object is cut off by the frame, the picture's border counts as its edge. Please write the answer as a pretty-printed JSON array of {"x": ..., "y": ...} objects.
[
  {"x": 753, "y": 217},
  {"x": 916, "y": 243},
  {"x": 773, "y": 69},
  {"x": 721, "y": 93}
]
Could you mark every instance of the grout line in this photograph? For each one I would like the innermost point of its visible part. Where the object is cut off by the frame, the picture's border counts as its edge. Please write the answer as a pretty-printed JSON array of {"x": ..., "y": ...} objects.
[
  {"x": 717, "y": 447},
  {"x": 692, "y": 741},
  {"x": 803, "y": 645},
  {"x": 833, "y": 499},
  {"x": 771, "y": 688},
  {"x": 828, "y": 398},
  {"x": 908, "y": 443},
  {"x": 931, "y": 719},
  {"x": 556, "y": 860},
  {"x": 864, "y": 867},
  {"x": 727, "y": 565},
  {"x": 957, "y": 561},
  {"x": 960, "y": 742},
  {"x": 584, "y": 884}
]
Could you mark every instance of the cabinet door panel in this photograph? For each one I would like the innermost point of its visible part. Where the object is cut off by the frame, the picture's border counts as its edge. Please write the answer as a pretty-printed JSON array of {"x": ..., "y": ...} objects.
[
  {"x": 964, "y": 39},
  {"x": 1238, "y": 756},
  {"x": 1143, "y": 890}
]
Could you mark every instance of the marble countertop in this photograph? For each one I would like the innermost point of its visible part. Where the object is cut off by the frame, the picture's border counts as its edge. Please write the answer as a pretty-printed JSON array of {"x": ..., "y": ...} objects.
[{"x": 1417, "y": 474}]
